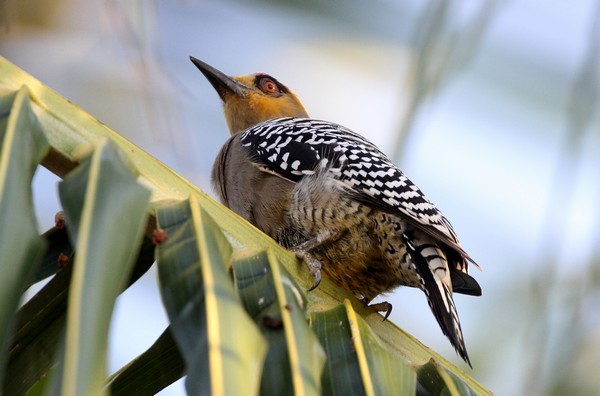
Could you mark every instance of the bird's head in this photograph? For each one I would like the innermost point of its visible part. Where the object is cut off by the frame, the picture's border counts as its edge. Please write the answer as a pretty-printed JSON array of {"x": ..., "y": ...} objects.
[{"x": 249, "y": 100}]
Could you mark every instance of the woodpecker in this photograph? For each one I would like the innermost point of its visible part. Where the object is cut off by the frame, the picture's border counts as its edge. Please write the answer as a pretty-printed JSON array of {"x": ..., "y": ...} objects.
[{"x": 332, "y": 197}]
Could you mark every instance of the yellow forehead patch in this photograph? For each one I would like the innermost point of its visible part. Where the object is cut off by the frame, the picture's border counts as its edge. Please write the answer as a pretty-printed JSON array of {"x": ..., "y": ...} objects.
[{"x": 246, "y": 80}]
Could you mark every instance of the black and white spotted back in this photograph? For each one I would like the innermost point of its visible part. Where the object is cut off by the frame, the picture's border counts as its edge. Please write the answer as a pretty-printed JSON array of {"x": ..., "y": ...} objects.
[{"x": 294, "y": 147}]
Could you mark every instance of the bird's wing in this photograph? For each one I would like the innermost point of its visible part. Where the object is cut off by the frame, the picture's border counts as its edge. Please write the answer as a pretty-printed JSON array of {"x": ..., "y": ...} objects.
[{"x": 294, "y": 147}]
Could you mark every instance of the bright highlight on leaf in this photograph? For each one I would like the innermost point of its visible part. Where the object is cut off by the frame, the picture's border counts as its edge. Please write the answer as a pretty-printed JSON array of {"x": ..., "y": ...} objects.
[
  {"x": 277, "y": 304},
  {"x": 104, "y": 207},
  {"x": 22, "y": 147},
  {"x": 359, "y": 363},
  {"x": 215, "y": 336}
]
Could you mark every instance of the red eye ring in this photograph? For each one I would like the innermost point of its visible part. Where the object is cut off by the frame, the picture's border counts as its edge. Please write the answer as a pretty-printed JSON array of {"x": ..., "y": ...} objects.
[{"x": 269, "y": 86}]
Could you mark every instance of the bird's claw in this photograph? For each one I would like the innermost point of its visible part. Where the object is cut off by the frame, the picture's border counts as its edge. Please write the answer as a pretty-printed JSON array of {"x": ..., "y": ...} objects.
[
  {"x": 314, "y": 266},
  {"x": 382, "y": 307},
  {"x": 317, "y": 275}
]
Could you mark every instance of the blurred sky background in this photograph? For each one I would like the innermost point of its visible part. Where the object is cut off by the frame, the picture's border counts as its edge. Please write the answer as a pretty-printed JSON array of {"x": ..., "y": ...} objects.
[{"x": 491, "y": 107}]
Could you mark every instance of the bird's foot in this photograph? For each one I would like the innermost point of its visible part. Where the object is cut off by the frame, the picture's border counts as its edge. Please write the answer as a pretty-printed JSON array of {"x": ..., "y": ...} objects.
[
  {"x": 314, "y": 265},
  {"x": 303, "y": 251},
  {"x": 380, "y": 307}
]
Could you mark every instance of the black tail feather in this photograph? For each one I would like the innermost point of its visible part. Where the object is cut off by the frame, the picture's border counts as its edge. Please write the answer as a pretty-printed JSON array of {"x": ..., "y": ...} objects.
[
  {"x": 463, "y": 283},
  {"x": 439, "y": 298}
]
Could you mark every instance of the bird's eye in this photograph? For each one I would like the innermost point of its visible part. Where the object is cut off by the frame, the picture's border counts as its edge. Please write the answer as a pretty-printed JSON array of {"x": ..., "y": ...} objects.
[{"x": 268, "y": 86}]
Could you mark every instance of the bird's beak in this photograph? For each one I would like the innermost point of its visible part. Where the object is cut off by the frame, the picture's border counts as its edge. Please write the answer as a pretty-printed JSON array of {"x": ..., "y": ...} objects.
[{"x": 222, "y": 83}]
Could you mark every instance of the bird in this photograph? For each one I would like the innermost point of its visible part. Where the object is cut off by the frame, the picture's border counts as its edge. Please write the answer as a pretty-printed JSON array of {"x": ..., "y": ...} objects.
[{"x": 336, "y": 200}]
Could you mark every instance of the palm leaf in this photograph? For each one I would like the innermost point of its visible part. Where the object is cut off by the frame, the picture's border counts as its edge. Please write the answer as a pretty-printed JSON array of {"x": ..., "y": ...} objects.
[
  {"x": 206, "y": 315},
  {"x": 106, "y": 212},
  {"x": 270, "y": 295},
  {"x": 20, "y": 246},
  {"x": 358, "y": 362},
  {"x": 149, "y": 373}
]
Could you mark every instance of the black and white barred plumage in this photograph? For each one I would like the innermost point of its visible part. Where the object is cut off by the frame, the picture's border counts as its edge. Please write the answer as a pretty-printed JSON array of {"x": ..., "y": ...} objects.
[
  {"x": 328, "y": 157},
  {"x": 293, "y": 147}
]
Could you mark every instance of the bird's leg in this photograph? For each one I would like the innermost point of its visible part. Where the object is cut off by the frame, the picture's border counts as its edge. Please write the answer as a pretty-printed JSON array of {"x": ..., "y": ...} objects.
[
  {"x": 322, "y": 238},
  {"x": 314, "y": 266},
  {"x": 379, "y": 307},
  {"x": 303, "y": 252}
]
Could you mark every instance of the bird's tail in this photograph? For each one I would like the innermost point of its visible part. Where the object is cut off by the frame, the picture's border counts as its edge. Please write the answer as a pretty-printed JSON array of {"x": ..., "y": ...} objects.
[{"x": 432, "y": 268}]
